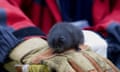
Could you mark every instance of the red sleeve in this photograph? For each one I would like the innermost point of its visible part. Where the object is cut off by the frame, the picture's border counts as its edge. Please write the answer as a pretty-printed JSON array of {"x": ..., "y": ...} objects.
[
  {"x": 104, "y": 17},
  {"x": 12, "y": 16}
]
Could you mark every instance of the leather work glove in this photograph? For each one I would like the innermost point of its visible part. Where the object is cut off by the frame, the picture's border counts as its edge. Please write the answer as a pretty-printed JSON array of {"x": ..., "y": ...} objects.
[{"x": 28, "y": 49}]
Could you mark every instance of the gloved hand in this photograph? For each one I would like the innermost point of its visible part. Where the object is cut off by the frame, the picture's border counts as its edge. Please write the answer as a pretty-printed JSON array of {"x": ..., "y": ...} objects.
[{"x": 28, "y": 50}]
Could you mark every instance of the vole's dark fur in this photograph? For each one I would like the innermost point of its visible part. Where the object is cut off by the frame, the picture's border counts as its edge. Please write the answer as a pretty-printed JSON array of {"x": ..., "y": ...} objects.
[{"x": 64, "y": 36}]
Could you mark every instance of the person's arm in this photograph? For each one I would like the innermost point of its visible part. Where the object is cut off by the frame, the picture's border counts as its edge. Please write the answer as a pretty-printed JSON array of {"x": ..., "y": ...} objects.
[
  {"x": 21, "y": 27},
  {"x": 18, "y": 21},
  {"x": 107, "y": 17}
]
